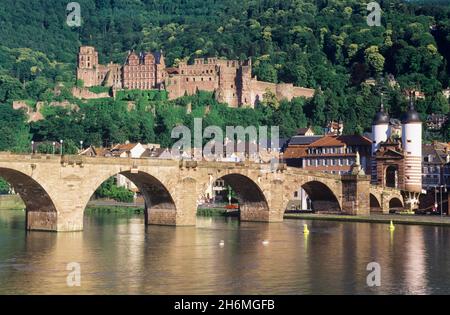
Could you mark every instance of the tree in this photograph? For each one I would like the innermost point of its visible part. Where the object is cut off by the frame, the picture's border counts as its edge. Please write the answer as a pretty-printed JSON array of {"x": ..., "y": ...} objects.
[
  {"x": 14, "y": 131},
  {"x": 374, "y": 59},
  {"x": 4, "y": 187},
  {"x": 318, "y": 109}
]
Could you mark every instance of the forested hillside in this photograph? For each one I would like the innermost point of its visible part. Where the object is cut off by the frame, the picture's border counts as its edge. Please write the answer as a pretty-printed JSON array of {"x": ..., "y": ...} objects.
[{"x": 323, "y": 44}]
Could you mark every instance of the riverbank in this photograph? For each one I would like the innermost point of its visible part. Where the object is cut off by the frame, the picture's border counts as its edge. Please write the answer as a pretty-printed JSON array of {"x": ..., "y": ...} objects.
[
  {"x": 114, "y": 209},
  {"x": 136, "y": 209},
  {"x": 375, "y": 218},
  {"x": 11, "y": 202}
]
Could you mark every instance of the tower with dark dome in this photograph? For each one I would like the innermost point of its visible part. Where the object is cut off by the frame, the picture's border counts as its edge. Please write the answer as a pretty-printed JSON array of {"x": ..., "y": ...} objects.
[
  {"x": 412, "y": 148},
  {"x": 380, "y": 134}
]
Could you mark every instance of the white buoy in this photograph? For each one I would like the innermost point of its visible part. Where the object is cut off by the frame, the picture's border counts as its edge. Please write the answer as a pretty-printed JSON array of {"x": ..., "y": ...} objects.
[
  {"x": 265, "y": 242},
  {"x": 222, "y": 243}
]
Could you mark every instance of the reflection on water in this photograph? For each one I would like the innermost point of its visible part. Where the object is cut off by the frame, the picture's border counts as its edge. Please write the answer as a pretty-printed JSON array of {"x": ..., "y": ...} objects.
[{"x": 118, "y": 254}]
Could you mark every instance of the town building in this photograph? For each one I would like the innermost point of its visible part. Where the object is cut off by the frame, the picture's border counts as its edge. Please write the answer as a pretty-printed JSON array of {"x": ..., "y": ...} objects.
[
  {"x": 435, "y": 122},
  {"x": 331, "y": 153},
  {"x": 435, "y": 165},
  {"x": 305, "y": 131},
  {"x": 435, "y": 177},
  {"x": 230, "y": 80}
]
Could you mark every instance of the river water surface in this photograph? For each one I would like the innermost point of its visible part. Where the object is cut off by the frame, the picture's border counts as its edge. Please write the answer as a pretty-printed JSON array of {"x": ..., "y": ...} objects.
[{"x": 118, "y": 255}]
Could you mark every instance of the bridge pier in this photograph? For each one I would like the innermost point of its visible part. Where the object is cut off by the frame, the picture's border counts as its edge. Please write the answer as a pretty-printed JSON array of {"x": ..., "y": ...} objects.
[
  {"x": 52, "y": 221},
  {"x": 269, "y": 209},
  {"x": 41, "y": 220},
  {"x": 356, "y": 194}
]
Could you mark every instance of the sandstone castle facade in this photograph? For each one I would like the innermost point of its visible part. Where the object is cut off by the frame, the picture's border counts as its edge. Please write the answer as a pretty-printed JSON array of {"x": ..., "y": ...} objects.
[{"x": 231, "y": 80}]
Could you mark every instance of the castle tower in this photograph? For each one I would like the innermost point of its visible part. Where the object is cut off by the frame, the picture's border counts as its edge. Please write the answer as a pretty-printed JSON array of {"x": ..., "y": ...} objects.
[
  {"x": 412, "y": 148},
  {"x": 87, "y": 69},
  {"x": 227, "y": 91},
  {"x": 244, "y": 79},
  {"x": 380, "y": 133},
  {"x": 87, "y": 57}
]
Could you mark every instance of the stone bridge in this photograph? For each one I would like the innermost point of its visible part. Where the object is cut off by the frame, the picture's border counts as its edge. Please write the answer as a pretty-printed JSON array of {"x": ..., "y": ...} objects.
[{"x": 57, "y": 189}]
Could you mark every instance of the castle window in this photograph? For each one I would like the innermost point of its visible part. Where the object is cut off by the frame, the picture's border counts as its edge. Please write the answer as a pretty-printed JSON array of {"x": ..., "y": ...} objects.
[
  {"x": 209, "y": 79},
  {"x": 202, "y": 79},
  {"x": 187, "y": 79},
  {"x": 232, "y": 86}
]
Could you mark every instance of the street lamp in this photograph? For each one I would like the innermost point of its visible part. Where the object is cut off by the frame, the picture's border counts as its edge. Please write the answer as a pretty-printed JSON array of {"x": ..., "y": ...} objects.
[
  {"x": 32, "y": 147},
  {"x": 445, "y": 190},
  {"x": 53, "y": 147},
  {"x": 61, "y": 148},
  {"x": 435, "y": 199},
  {"x": 81, "y": 145}
]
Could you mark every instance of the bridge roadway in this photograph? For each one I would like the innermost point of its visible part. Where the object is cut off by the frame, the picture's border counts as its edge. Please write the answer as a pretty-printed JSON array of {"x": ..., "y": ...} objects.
[{"x": 56, "y": 189}]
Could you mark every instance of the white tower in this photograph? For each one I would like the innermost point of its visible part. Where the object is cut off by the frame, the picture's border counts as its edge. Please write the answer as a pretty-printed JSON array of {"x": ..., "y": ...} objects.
[
  {"x": 380, "y": 133},
  {"x": 412, "y": 149}
]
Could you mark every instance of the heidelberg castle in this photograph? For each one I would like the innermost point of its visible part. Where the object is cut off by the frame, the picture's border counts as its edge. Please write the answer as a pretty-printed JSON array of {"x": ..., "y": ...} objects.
[{"x": 231, "y": 80}]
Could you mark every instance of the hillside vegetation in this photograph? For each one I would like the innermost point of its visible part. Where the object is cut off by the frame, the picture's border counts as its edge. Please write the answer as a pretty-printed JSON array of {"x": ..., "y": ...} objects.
[{"x": 323, "y": 44}]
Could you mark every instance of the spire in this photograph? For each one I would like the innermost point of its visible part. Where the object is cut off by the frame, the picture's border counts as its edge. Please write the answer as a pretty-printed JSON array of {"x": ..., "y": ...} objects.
[
  {"x": 411, "y": 116},
  {"x": 381, "y": 118},
  {"x": 411, "y": 100}
]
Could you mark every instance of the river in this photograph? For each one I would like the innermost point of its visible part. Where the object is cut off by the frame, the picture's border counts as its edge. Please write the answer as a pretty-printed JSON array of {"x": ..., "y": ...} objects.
[{"x": 118, "y": 255}]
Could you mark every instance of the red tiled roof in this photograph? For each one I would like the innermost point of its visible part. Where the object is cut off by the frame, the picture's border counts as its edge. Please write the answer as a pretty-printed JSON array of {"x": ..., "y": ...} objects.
[
  {"x": 339, "y": 141},
  {"x": 293, "y": 152},
  {"x": 124, "y": 147}
]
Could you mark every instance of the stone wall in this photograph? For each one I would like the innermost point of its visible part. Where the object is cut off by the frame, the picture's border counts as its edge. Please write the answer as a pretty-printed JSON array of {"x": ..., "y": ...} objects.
[{"x": 84, "y": 93}]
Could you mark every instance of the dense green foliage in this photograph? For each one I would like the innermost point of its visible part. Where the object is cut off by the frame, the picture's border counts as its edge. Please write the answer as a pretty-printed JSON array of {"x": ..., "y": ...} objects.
[
  {"x": 4, "y": 187},
  {"x": 322, "y": 44},
  {"x": 110, "y": 190}
]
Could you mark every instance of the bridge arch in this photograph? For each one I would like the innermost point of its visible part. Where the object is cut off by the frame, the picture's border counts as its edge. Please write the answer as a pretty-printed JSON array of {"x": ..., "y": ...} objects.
[
  {"x": 375, "y": 204},
  {"x": 395, "y": 203},
  {"x": 322, "y": 197},
  {"x": 41, "y": 212},
  {"x": 160, "y": 206},
  {"x": 253, "y": 203}
]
